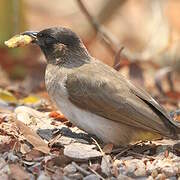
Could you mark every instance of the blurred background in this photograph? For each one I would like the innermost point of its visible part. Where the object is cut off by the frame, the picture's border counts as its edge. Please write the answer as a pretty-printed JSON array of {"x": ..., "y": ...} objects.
[{"x": 149, "y": 32}]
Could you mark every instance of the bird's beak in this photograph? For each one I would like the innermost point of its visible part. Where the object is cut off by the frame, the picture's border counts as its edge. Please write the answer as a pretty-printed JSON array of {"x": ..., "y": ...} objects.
[{"x": 32, "y": 34}]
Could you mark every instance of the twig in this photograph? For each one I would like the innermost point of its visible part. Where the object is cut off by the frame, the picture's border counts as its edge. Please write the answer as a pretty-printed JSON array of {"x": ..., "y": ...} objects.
[
  {"x": 140, "y": 155},
  {"x": 98, "y": 175},
  {"x": 126, "y": 149},
  {"x": 122, "y": 152},
  {"x": 117, "y": 59},
  {"x": 54, "y": 140},
  {"x": 80, "y": 169},
  {"x": 103, "y": 154},
  {"x": 159, "y": 76},
  {"x": 109, "y": 40}
]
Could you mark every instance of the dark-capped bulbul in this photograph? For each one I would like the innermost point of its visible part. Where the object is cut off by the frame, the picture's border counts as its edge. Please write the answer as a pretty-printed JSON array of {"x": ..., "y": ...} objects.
[{"x": 95, "y": 97}]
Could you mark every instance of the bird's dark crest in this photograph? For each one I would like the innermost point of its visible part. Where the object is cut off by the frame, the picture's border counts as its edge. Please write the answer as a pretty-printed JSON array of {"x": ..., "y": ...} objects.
[{"x": 62, "y": 35}]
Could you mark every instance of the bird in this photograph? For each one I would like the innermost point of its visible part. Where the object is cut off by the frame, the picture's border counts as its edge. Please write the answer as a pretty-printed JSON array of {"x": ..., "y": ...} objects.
[{"x": 95, "y": 97}]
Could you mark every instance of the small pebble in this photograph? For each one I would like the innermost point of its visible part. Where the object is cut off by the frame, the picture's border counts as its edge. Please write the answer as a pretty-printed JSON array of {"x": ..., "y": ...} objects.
[
  {"x": 140, "y": 171},
  {"x": 154, "y": 173},
  {"x": 84, "y": 166},
  {"x": 173, "y": 178},
  {"x": 69, "y": 169},
  {"x": 43, "y": 177},
  {"x": 160, "y": 177},
  {"x": 150, "y": 178},
  {"x": 76, "y": 176},
  {"x": 130, "y": 168},
  {"x": 135, "y": 167},
  {"x": 168, "y": 171},
  {"x": 91, "y": 177},
  {"x": 106, "y": 165},
  {"x": 95, "y": 167},
  {"x": 123, "y": 177}
]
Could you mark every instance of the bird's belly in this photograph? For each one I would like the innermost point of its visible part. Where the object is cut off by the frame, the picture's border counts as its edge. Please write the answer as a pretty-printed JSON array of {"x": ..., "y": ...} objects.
[{"x": 107, "y": 130}]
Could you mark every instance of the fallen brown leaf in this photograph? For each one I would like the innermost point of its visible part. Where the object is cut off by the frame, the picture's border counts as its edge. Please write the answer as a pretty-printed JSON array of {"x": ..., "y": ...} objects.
[
  {"x": 32, "y": 137},
  {"x": 107, "y": 149},
  {"x": 60, "y": 161},
  {"x": 57, "y": 116},
  {"x": 33, "y": 155}
]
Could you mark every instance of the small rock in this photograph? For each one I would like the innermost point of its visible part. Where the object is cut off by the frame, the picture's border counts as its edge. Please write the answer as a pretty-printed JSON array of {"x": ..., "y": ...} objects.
[
  {"x": 4, "y": 168},
  {"x": 123, "y": 177},
  {"x": 76, "y": 176},
  {"x": 173, "y": 178},
  {"x": 24, "y": 117},
  {"x": 140, "y": 170},
  {"x": 149, "y": 167},
  {"x": 29, "y": 111},
  {"x": 84, "y": 166},
  {"x": 168, "y": 171},
  {"x": 131, "y": 166},
  {"x": 160, "y": 177},
  {"x": 95, "y": 167},
  {"x": 130, "y": 169},
  {"x": 91, "y": 177},
  {"x": 69, "y": 169},
  {"x": 63, "y": 178},
  {"x": 154, "y": 173},
  {"x": 78, "y": 151},
  {"x": 122, "y": 170},
  {"x": 162, "y": 149},
  {"x": 12, "y": 157},
  {"x": 117, "y": 163},
  {"x": 150, "y": 178},
  {"x": 106, "y": 165},
  {"x": 113, "y": 178},
  {"x": 46, "y": 134},
  {"x": 177, "y": 170},
  {"x": 43, "y": 177}
]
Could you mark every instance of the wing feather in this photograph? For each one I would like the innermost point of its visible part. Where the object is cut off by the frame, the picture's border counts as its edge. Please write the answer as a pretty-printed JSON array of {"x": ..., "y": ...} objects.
[{"x": 111, "y": 96}]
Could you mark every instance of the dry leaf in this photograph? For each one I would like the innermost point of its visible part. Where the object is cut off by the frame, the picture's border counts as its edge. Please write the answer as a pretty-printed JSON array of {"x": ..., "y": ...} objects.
[
  {"x": 32, "y": 137},
  {"x": 33, "y": 155},
  {"x": 57, "y": 116},
  {"x": 29, "y": 100},
  {"x": 7, "y": 96},
  {"x": 108, "y": 148}
]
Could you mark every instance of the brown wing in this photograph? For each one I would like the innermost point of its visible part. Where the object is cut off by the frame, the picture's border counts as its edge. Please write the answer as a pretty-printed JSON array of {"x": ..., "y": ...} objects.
[
  {"x": 142, "y": 94},
  {"x": 109, "y": 95}
]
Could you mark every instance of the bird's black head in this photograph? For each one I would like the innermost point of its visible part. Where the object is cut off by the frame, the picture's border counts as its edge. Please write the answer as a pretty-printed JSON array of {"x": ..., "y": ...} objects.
[{"x": 60, "y": 46}]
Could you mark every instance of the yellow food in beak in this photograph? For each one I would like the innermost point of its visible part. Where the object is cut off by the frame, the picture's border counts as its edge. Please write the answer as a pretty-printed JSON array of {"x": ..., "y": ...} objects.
[{"x": 18, "y": 41}]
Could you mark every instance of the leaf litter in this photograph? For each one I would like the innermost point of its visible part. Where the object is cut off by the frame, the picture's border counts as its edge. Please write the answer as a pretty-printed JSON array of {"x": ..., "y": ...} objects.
[{"x": 38, "y": 143}]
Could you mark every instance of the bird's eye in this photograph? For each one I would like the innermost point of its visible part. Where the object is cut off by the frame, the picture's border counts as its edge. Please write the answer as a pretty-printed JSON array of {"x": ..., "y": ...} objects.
[
  {"x": 49, "y": 40},
  {"x": 40, "y": 35}
]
